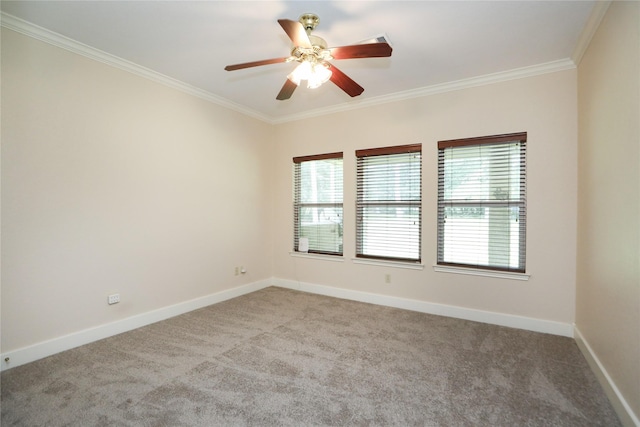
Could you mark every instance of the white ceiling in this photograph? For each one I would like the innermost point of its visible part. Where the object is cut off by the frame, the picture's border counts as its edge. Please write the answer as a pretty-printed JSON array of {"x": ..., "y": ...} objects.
[{"x": 435, "y": 44}]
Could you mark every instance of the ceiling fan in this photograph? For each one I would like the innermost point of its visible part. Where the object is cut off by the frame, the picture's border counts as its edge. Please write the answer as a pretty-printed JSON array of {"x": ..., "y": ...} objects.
[{"x": 313, "y": 56}]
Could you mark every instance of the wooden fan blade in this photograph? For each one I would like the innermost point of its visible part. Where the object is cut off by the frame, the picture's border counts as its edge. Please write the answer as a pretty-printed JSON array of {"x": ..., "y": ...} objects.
[
  {"x": 345, "y": 82},
  {"x": 255, "y": 63},
  {"x": 287, "y": 90},
  {"x": 367, "y": 50},
  {"x": 296, "y": 32}
]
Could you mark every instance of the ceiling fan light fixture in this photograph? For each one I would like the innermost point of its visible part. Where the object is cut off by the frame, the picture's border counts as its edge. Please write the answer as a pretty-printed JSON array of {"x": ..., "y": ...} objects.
[
  {"x": 315, "y": 74},
  {"x": 321, "y": 74},
  {"x": 301, "y": 72},
  {"x": 313, "y": 56}
]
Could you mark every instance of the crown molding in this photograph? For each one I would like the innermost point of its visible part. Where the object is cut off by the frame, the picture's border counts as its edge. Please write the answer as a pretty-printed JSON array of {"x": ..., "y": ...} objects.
[
  {"x": 24, "y": 27},
  {"x": 589, "y": 30},
  {"x": 518, "y": 73}
]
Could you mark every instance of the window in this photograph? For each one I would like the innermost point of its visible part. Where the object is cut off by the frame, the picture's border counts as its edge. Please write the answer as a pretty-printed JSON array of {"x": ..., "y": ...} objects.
[
  {"x": 481, "y": 202},
  {"x": 317, "y": 205},
  {"x": 389, "y": 203}
]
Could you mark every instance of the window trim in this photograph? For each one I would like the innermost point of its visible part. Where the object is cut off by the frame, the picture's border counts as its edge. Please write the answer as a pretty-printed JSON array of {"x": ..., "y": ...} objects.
[
  {"x": 297, "y": 161},
  {"x": 383, "y": 151},
  {"x": 336, "y": 155},
  {"x": 389, "y": 262},
  {"x": 318, "y": 256},
  {"x": 492, "y": 139},
  {"x": 498, "y": 274},
  {"x": 464, "y": 268}
]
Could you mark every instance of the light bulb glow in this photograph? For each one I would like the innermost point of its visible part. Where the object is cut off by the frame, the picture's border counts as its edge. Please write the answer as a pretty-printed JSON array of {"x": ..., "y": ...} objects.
[
  {"x": 321, "y": 74},
  {"x": 315, "y": 74},
  {"x": 301, "y": 72}
]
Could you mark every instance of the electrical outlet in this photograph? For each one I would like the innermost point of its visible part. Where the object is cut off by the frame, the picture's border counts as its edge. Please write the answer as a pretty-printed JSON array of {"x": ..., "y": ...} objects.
[
  {"x": 387, "y": 278},
  {"x": 237, "y": 271},
  {"x": 114, "y": 299}
]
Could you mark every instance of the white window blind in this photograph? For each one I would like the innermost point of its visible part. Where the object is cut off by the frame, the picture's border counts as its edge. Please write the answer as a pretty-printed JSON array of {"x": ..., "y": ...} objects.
[
  {"x": 482, "y": 202},
  {"x": 317, "y": 203},
  {"x": 389, "y": 203}
]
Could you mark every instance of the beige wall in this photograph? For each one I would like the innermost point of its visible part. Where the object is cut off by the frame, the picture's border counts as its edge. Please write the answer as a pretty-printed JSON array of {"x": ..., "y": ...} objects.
[
  {"x": 544, "y": 106},
  {"x": 608, "y": 278},
  {"x": 113, "y": 183}
]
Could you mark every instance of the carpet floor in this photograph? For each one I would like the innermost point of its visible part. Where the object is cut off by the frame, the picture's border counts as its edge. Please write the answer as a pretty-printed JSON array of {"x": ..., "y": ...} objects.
[{"x": 288, "y": 358}]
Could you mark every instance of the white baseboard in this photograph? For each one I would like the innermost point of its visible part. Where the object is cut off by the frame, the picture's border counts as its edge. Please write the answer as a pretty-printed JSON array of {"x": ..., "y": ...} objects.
[
  {"x": 501, "y": 319},
  {"x": 619, "y": 403},
  {"x": 56, "y": 345}
]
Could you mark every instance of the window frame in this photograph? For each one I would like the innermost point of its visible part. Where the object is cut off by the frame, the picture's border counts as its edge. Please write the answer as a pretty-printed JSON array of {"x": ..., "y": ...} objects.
[
  {"x": 297, "y": 205},
  {"x": 521, "y": 203},
  {"x": 361, "y": 204}
]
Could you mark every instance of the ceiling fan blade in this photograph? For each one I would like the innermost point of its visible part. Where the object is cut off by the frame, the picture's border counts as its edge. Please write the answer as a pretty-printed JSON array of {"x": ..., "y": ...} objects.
[
  {"x": 345, "y": 82},
  {"x": 287, "y": 90},
  {"x": 367, "y": 50},
  {"x": 255, "y": 63},
  {"x": 296, "y": 32}
]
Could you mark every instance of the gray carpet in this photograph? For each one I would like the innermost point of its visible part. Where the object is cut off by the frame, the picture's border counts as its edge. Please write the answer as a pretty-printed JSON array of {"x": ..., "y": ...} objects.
[{"x": 282, "y": 357}]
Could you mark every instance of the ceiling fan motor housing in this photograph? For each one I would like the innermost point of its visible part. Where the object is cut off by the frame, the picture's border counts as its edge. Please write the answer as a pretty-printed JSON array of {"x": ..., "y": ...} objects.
[
  {"x": 318, "y": 51},
  {"x": 317, "y": 42},
  {"x": 309, "y": 21}
]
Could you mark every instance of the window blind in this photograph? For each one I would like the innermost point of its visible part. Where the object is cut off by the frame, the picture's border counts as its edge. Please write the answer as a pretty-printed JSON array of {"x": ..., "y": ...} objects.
[
  {"x": 482, "y": 202},
  {"x": 317, "y": 206},
  {"x": 389, "y": 203}
]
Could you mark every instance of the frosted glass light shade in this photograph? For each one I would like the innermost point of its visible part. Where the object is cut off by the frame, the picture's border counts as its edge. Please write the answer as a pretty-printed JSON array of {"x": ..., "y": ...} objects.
[{"x": 314, "y": 74}]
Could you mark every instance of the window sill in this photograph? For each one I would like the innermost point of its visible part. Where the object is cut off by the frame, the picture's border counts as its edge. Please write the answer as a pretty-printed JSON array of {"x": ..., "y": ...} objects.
[
  {"x": 395, "y": 264},
  {"x": 334, "y": 258},
  {"x": 479, "y": 272}
]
